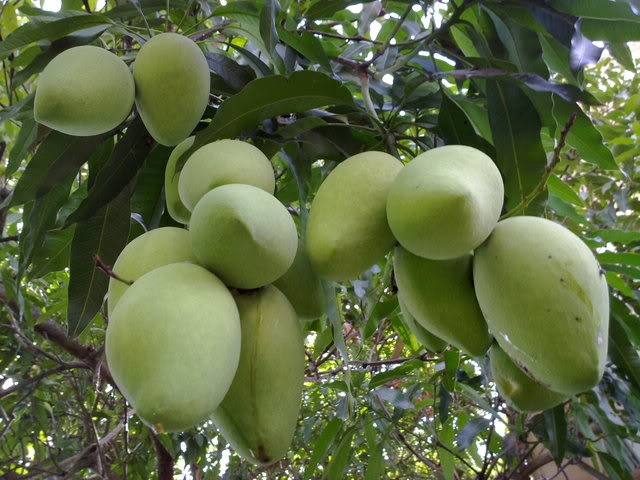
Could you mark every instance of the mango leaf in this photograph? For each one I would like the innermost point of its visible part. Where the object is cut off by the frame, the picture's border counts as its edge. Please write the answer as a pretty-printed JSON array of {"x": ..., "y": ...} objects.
[
  {"x": 53, "y": 255},
  {"x": 308, "y": 46},
  {"x": 616, "y": 236},
  {"x": 619, "y": 258},
  {"x": 611, "y": 31},
  {"x": 622, "y": 53},
  {"x": 583, "y": 51},
  {"x": 335, "y": 468},
  {"x": 268, "y": 31},
  {"x": 104, "y": 234},
  {"x": 623, "y": 353},
  {"x": 516, "y": 135},
  {"x": 234, "y": 75},
  {"x": 327, "y": 8},
  {"x": 26, "y": 136},
  {"x": 127, "y": 158},
  {"x": 267, "y": 97},
  {"x": 456, "y": 128},
  {"x": 556, "y": 426},
  {"x": 471, "y": 430},
  {"x": 324, "y": 441},
  {"x": 37, "y": 30},
  {"x": 147, "y": 199},
  {"x": 561, "y": 190},
  {"x": 556, "y": 56},
  {"x": 583, "y": 136},
  {"x": 58, "y": 156},
  {"x": 398, "y": 372},
  {"x": 595, "y": 9}
]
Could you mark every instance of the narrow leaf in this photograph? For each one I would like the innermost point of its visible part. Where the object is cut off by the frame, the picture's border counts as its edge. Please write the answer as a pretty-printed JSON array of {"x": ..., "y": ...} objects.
[
  {"x": 619, "y": 258},
  {"x": 470, "y": 431},
  {"x": 337, "y": 465},
  {"x": 25, "y": 138},
  {"x": 324, "y": 440},
  {"x": 53, "y": 255},
  {"x": 398, "y": 372},
  {"x": 556, "y": 425}
]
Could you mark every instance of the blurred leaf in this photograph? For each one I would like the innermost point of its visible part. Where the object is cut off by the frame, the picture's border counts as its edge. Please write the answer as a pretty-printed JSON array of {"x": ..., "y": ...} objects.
[
  {"x": 24, "y": 140},
  {"x": 623, "y": 353},
  {"x": 327, "y": 8},
  {"x": 556, "y": 57},
  {"x": 335, "y": 470},
  {"x": 57, "y": 157},
  {"x": 619, "y": 258},
  {"x": 147, "y": 196},
  {"x": 471, "y": 430},
  {"x": 400, "y": 371},
  {"x": 595, "y": 9},
  {"x": 53, "y": 255},
  {"x": 396, "y": 397},
  {"x": 235, "y": 75},
  {"x": 37, "y": 30},
  {"x": 268, "y": 32},
  {"x": 583, "y": 51},
  {"x": 516, "y": 135},
  {"x": 616, "y": 236},
  {"x": 561, "y": 190},
  {"x": 611, "y": 31},
  {"x": 622, "y": 53},
  {"x": 556, "y": 427},
  {"x": 104, "y": 234},
  {"x": 322, "y": 444},
  {"x": 456, "y": 128},
  {"x": 308, "y": 46}
]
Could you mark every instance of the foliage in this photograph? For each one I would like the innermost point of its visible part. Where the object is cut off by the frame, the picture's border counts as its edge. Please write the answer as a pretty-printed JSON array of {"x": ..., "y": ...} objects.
[{"x": 548, "y": 89}]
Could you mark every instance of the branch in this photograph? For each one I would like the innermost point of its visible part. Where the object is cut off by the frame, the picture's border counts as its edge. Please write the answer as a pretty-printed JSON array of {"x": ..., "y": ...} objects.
[
  {"x": 547, "y": 172},
  {"x": 29, "y": 381},
  {"x": 165, "y": 460}
]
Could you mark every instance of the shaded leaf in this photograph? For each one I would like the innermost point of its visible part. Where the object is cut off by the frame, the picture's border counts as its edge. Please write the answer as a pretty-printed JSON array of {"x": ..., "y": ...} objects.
[
  {"x": 583, "y": 52},
  {"x": 611, "y": 31},
  {"x": 619, "y": 258},
  {"x": 322, "y": 444},
  {"x": 471, "y": 430},
  {"x": 53, "y": 255},
  {"x": 556, "y": 426},
  {"x": 456, "y": 128},
  {"x": 308, "y": 46},
  {"x": 327, "y": 8},
  {"x": 398, "y": 372},
  {"x": 617, "y": 236},
  {"x": 335, "y": 468},
  {"x": 235, "y": 75},
  {"x": 561, "y": 190},
  {"x": 25, "y": 138}
]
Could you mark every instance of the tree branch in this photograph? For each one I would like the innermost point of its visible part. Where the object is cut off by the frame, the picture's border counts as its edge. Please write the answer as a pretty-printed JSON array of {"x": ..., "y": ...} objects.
[{"x": 164, "y": 459}]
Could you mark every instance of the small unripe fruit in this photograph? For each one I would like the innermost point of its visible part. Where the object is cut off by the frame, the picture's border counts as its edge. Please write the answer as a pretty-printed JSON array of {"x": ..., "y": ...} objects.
[
  {"x": 347, "y": 230},
  {"x": 445, "y": 202},
  {"x": 173, "y": 345},
  {"x": 546, "y": 301},
  {"x": 84, "y": 91},
  {"x": 220, "y": 163},
  {"x": 244, "y": 235},
  {"x": 172, "y": 86}
]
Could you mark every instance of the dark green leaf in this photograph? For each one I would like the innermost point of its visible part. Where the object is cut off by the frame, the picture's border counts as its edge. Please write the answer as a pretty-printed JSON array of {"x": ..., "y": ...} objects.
[
  {"x": 398, "y": 372},
  {"x": 556, "y": 56},
  {"x": 147, "y": 197},
  {"x": 516, "y": 135},
  {"x": 104, "y": 235},
  {"x": 308, "y": 46},
  {"x": 396, "y": 397},
  {"x": 561, "y": 190},
  {"x": 616, "y": 236},
  {"x": 53, "y": 255},
  {"x": 324, "y": 441},
  {"x": 623, "y": 353},
  {"x": 444, "y": 403},
  {"x": 37, "y": 30},
  {"x": 619, "y": 258},
  {"x": 127, "y": 158},
  {"x": 456, "y": 128},
  {"x": 260, "y": 68},
  {"x": 622, "y": 53},
  {"x": 471, "y": 430},
  {"x": 556, "y": 427},
  {"x": 25, "y": 138},
  {"x": 596, "y": 9},
  {"x": 611, "y": 31},
  {"x": 327, "y": 8},
  {"x": 58, "y": 156},
  {"x": 335, "y": 468},
  {"x": 268, "y": 32},
  {"x": 236, "y": 76}
]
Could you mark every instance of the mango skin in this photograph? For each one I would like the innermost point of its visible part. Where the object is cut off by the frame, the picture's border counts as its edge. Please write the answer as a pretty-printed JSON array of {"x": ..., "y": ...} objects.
[
  {"x": 347, "y": 230},
  {"x": 440, "y": 295},
  {"x": 84, "y": 91},
  {"x": 445, "y": 202},
  {"x": 424, "y": 336},
  {"x": 173, "y": 345},
  {"x": 546, "y": 301},
  {"x": 517, "y": 388},
  {"x": 244, "y": 235},
  {"x": 172, "y": 86},
  {"x": 175, "y": 207},
  {"x": 150, "y": 250},
  {"x": 258, "y": 416},
  {"x": 302, "y": 286},
  {"x": 222, "y": 162}
]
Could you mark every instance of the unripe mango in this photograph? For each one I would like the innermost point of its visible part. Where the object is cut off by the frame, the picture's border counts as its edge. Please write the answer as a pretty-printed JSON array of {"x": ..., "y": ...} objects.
[
  {"x": 424, "y": 336},
  {"x": 258, "y": 415},
  {"x": 546, "y": 302},
  {"x": 150, "y": 250},
  {"x": 222, "y": 162},
  {"x": 517, "y": 388},
  {"x": 347, "y": 230},
  {"x": 440, "y": 295},
  {"x": 244, "y": 235},
  {"x": 84, "y": 91},
  {"x": 445, "y": 202},
  {"x": 302, "y": 286},
  {"x": 173, "y": 345},
  {"x": 175, "y": 207},
  {"x": 172, "y": 86}
]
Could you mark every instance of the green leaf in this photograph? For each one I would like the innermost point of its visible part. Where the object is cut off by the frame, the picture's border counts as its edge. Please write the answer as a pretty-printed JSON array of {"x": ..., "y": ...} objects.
[
  {"x": 58, "y": 156},
  {"x": 24, "y": 140},
  {"x": 623, "y": 353},
  {"x": 617, "y": 31},
  {"x": 267, "y": 97},
  {"x": 327, "y": 8},
  {"x": 127, "y": 158},
  {"x": 308, "y": 46},
  {"x": 561, "y": 190},
  {"x": 447, "y": 459},
  {"x": 556, "y": 425},
  {"x": 335, "y": 468},
  {"x": 595, "y": 9},
  {"x": 234, "y": 75},
  {"x": 323, "y": 442},
  {"x": 104, "y": 234},
  {"x": 516, "y": 135},
  {"x": 456, "y": 128},
  {"x": 53, "y": 255},
  {"x": 583, "y": 136},
  {"x": 616, "y": 236},
  {"x": 400, "y": 371},
  {"x": 147, "y": 199},
  {"x": 619, "y": 258},
  {"x": 268, "y": 31},
  {"x": 556, "y": 56},
  {"x": 471, "y": 430},
  {"x": 622, "y": 53},
  {"x": 37, "y": 30}
]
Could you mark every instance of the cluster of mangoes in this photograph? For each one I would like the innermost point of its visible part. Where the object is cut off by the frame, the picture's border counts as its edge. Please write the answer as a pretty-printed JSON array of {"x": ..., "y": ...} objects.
[
  {"x": 88, "y": 90},
  {"x": 525, "y": 287}
]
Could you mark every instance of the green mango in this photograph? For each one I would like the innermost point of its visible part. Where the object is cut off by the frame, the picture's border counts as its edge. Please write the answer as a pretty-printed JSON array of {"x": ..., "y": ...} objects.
[
  {"x": 517, "y": 388},
  {"x": 147, "y": 252},
  {"x": 302, "y": 286},
  {"x": 546, "y": 301},
  {"x": 173, "y": 345},
  {"x": 84, "y": 91},
  {"x": 424, "y": 336},
  {"x": 172, "y": 86},
  {"x": 347, "y": 230},
  {"x": 258, "y": 416},
  {"x": 222, "y": 162},
  {"x": 445, "y": 202},
  {"x": 178, "y": 211},
  {"x": 244, "y": 235},
  {"x": 440, "y": 295}
]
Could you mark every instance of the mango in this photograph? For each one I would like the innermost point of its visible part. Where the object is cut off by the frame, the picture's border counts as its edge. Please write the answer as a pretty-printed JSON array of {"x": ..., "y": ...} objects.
[
  {"x": 222, "y": 162},
  {"x": 172, "y": 86},
  {"x": 258, "y": 416},
  {"x": 178, "y": 211},
  {"x": 84, "y": 91},
  {"x": 546, "y": 302},
  {"x": 440, "y": 295},
  {"x": 424, "y": 336},
  {"x": 517, "y": 388},
  {"x": 302, "y": 286},
  {"x": 145, "y": 253},
  {"x": 347, "y": 230},
  {"x": 173, "y": 345},
  {"x": 244, "y": 235},
  {"x": 445, "y": 202}
]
